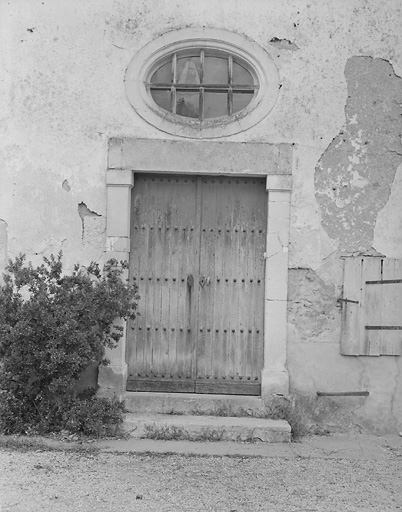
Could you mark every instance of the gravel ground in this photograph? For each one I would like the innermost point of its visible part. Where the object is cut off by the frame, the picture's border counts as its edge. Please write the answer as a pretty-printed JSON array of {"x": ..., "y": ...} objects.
[{"x": 38, "y": 480}]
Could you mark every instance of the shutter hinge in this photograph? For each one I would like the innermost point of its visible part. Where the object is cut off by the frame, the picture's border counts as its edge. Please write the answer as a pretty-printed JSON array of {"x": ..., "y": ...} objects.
[{"x": 348, "y": 300}]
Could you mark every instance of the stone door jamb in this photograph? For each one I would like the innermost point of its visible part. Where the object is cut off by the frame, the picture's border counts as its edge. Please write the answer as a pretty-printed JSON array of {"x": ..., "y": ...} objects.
[{"x": 127, "y": 156}]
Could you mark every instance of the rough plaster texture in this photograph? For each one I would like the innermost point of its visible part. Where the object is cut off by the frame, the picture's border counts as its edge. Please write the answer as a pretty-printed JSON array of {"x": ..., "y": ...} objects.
[
  {"x": 354, "y": 176},
  {"x": 62, "y": 98},
  {"x": 378, "y": 412}
]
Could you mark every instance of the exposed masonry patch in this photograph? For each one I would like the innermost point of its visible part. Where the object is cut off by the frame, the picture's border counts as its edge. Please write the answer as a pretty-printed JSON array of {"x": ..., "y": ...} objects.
[
  {"x": 312, "y": 304},
  {"x": 283, "y": 44},
  {"x": 86, "y": 214},
  {"x": 354, "y": 175},
  {"x": 66, "y": 187}
]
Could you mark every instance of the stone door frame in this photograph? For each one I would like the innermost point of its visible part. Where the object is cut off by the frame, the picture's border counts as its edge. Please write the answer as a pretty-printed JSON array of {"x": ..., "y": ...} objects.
[{"x": 274, "y": 161}]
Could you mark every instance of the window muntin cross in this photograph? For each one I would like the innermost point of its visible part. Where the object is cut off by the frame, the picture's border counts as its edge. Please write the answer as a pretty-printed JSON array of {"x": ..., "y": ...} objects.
[{"x": 202, "y": 84}]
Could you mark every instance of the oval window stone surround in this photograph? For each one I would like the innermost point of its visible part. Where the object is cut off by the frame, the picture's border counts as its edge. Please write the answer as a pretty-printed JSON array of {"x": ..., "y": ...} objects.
[{"x": 144, "y": 64}]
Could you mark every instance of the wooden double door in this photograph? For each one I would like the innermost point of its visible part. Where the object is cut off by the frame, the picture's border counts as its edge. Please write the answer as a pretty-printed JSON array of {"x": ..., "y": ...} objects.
[{"x": 197, "y": 254}]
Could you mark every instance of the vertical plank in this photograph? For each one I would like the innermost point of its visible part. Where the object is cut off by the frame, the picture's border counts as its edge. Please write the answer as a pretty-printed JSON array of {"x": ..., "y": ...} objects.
[
  {"x": 147, "y": 280},
  {"x": 391, "y": 306},
  {"x": 352, "y": 306},
  {"x": 371, "y": 300},
  {"x": 245, "y": 347},
  {"x": 219, "y": 339},
  {"x": 205, "y": 364},
  {"x": 258, "y": 221}
]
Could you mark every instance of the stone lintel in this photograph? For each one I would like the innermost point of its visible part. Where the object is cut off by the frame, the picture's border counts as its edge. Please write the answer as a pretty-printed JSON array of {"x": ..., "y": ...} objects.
[{"x": 199, "y": 157}]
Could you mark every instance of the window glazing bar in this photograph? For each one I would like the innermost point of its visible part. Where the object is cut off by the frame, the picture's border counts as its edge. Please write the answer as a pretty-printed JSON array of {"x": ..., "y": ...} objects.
[
  {"x": 230, "y": 90},
  {"x": 173, "y": 100},
  {"x": 202, "y": 99}
]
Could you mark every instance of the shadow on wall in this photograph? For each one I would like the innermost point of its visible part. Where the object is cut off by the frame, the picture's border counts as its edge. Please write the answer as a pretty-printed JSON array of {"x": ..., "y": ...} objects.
[{"x": 3, "y": 245}]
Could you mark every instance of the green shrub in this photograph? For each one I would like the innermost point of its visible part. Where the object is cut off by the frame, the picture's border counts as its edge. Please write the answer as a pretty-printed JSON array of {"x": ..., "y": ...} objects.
[
  {"x": 52, "y": 327},
  {"x": 94, "y": 416}
]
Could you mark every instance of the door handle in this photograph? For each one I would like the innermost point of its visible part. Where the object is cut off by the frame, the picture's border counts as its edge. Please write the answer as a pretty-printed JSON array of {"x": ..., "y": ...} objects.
[
  {"x": 190, "y": 281},
  {"x": 204, "y": 280}
]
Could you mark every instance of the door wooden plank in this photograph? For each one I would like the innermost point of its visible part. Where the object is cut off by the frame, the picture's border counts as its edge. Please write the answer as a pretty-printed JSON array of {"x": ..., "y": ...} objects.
[
  {"x": 183, "y": 256},
  {"x": 225, "y": 387},
  {"x": 202, "y": 350},
  {"x": 245, "y": 349},
  {"x": 250, "y": 302},
  {"x": 258, "y": 232},
  {"x": 162, "y": 385},
  {"x": 182, "y": 313},
  {"x": 207, "y": 289},
  {"x": 219, "y": 339},
  {"x": 237, "y": 271}
]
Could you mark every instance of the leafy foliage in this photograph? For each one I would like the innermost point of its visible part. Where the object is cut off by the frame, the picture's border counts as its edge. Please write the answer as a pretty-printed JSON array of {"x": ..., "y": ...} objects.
[{"x": 52, "y": 326}]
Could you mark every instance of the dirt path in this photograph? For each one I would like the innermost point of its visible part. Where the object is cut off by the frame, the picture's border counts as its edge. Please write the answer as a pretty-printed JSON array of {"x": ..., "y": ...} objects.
[{"x": 59, "y": 481}]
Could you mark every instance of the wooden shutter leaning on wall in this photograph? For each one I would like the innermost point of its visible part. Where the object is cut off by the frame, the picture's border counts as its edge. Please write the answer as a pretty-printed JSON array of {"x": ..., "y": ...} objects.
[{"x": 372, "y": 307}]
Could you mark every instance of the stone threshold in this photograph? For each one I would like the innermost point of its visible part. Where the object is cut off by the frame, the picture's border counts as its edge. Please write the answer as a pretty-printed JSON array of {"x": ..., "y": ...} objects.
[
  {"x": 194, "y": 404},
  {"x": 206, "y": 428}
]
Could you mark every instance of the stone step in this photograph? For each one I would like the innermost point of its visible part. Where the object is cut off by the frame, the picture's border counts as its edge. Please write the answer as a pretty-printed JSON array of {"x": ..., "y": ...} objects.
[
  {"x": 206, "y": 428},
  {"x": 194, "y": 404}
]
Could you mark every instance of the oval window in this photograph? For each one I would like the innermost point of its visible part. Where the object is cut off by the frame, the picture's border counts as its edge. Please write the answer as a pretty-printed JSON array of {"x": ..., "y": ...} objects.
[{"x": 202, "y": 84}]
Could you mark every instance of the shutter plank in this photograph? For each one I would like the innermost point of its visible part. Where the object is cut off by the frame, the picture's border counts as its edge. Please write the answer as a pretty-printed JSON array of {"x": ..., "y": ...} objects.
[
  {"x": 391, "y": 340},
  {"x": 371, "y": 301},
  {"x": 351, "y": 306},
  {"x": 371, "y": 326}
]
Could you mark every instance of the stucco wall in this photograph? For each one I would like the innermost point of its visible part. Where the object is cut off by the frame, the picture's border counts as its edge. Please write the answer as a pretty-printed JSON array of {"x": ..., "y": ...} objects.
[{"x": 63, "y": 97}]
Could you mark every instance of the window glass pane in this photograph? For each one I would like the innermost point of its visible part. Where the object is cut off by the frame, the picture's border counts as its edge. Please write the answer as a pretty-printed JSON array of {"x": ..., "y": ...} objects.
[
  {"x": 215, "y": 70},
  {"x": 215, "y": 104},
  {"x": 163, "y": 75},
  {"x": 241, "y": 100},
  {"x": 162, "y": 98},
  {"x": 187, "y": 104},
  {"x": 188, "y": 70},
  {"x": 241, "y": 76}
]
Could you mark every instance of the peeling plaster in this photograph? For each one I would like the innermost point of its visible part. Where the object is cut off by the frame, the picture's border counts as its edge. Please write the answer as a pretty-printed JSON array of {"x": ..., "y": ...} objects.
[
  {"x": 93, "y": 227},
  {"x": 354, "y": 175},
  {"x": 66, "y": 186},
  {"x": 84, "y": 211},
  {"x": 283, "y": 44}
]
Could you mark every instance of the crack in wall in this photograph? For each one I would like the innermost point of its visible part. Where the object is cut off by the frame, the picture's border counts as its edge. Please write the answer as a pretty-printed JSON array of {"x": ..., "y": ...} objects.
[{"x": 354, "y": 176}]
